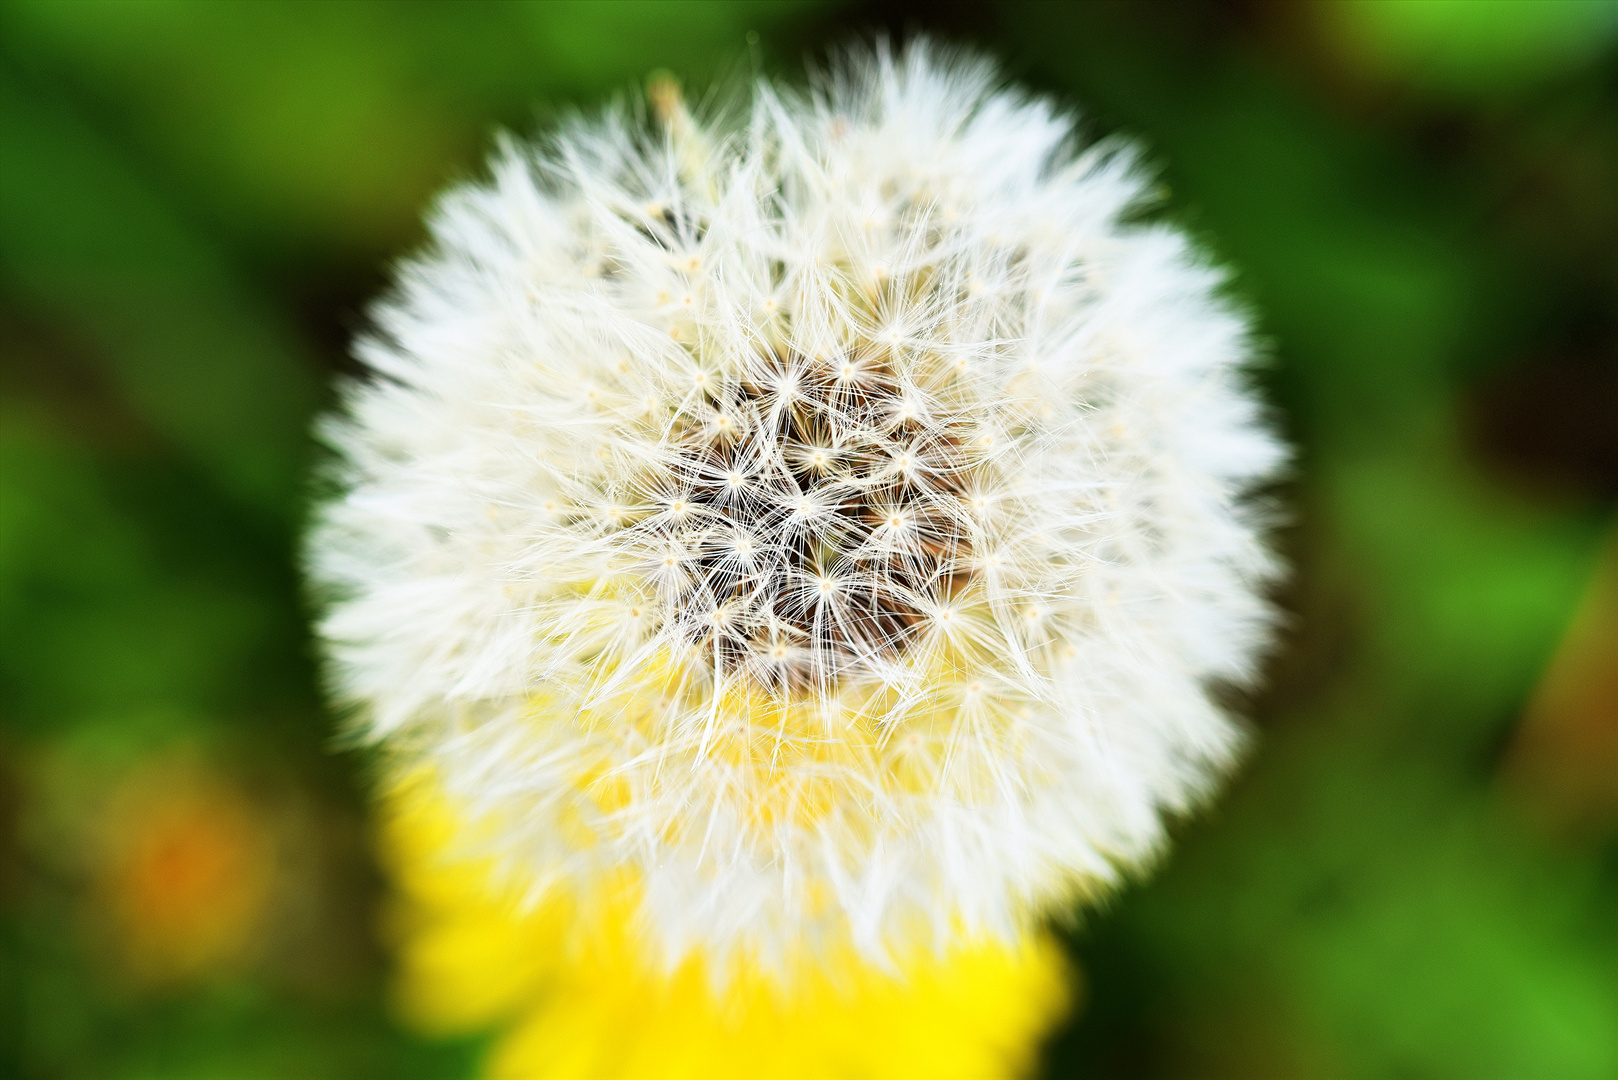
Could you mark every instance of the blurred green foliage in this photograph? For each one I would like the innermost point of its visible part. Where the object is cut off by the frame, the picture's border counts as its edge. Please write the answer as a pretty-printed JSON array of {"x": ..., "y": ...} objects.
[{"x": 1420, "y": 202}]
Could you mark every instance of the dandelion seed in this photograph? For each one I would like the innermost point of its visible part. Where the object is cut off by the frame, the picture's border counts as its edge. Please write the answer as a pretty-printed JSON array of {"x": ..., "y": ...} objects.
[{"x": 829, "y": 656}]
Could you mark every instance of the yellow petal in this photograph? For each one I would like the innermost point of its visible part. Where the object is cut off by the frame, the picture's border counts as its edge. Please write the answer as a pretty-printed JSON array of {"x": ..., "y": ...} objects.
[{"x": 592, "y": 1006}]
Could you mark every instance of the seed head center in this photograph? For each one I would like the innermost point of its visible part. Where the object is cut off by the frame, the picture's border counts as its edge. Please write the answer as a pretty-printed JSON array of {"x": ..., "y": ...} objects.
[{"x": 819, "y": 514}]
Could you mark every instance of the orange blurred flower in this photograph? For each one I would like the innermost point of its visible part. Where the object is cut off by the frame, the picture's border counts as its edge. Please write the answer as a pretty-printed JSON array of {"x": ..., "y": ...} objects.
[{"x": 185, "y": 871}]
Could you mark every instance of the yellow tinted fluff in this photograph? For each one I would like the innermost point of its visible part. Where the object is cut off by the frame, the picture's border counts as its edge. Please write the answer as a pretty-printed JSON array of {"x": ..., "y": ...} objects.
[{"x": 578, "y": 1001}]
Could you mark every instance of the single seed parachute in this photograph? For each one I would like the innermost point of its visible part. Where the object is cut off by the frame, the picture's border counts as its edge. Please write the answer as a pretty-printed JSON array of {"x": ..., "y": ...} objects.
[{"x": 811, "y": 530}]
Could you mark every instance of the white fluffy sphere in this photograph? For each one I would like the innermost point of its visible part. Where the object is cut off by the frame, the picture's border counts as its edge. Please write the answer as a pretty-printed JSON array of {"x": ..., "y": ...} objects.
[{"x": 825, "y": 525}]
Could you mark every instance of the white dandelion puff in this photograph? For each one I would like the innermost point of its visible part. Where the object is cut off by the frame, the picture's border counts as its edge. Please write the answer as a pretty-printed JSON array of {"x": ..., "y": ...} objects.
[{"x": 832, "y": 518}]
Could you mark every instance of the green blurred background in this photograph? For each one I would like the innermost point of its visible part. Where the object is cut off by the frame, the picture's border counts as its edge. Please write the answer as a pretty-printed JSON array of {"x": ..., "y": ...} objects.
[{"x": 1416, "y": 875}]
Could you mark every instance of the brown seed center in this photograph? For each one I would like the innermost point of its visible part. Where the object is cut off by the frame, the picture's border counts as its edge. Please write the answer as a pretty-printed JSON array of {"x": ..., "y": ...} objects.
[{"x": 815, "y": 517}]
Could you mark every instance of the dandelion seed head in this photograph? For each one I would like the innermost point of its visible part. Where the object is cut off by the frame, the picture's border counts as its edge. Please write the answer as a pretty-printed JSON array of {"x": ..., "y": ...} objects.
[{"x": 872, "y": 514}]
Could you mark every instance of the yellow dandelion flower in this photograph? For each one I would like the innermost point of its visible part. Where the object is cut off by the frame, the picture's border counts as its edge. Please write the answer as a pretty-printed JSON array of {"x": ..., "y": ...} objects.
[{"x": 591, "y": 1005}]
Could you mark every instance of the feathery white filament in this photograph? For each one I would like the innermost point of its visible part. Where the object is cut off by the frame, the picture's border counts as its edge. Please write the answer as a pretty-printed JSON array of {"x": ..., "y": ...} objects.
[{"x": 834, "y": 518}]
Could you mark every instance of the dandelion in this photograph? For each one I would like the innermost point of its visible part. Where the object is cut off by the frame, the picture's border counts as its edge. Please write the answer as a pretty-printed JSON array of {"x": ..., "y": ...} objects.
[
  {"x": 797, "y": 545},
  {"x": 186, "y": 874}
]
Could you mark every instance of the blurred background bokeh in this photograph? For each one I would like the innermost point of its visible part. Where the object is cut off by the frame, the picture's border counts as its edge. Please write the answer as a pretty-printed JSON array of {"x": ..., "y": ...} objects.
[{"x": 1415, "y": 876}]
